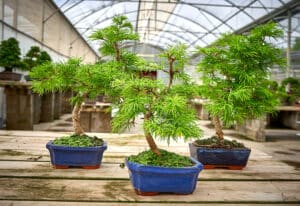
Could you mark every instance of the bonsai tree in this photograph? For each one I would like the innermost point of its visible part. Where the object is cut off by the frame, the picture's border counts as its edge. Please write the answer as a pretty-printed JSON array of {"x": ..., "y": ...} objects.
[
  {"x": 235, "y": 75},
  {"x": 10, "y": 54},
  {"x": 291, "y": 89},
  {"x": 167, "y": 115},
  {"x": 84, "y": 80},
  {"x": 35, "y": 57},
  {"x": 166, "y": 111}
]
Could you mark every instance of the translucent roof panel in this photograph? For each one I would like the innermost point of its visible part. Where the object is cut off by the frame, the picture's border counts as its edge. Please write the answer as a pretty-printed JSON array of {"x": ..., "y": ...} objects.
[{"x": 164, "y": 22}]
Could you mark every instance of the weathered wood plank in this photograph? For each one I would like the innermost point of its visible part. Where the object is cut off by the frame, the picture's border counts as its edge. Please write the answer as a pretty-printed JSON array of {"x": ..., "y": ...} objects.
[
  {"x": 278, "y": 171},
  {"x": 123, "y": 144},
  {"x": 121, "y": 190},
  {"x": 56, "y": 203}
]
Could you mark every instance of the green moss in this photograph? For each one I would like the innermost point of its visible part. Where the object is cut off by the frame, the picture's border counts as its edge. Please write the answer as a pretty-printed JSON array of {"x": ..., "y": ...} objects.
[
  {"x": 118, "y": 190},
  {"x": 166, "y": 159},
  {"x": 11, "y": 152},
  {"x": 79, "y": 141},
  {"x": 293, "y": 163},
  {"x": 215, "y": 142}
]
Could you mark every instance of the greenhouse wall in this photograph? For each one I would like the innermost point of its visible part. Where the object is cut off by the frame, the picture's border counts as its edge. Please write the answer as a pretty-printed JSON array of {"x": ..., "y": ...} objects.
[{"x": 40, "y": 23}]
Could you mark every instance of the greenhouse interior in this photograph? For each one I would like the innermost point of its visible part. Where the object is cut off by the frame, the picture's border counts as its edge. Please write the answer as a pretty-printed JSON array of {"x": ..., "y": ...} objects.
[{"x": 153, "y": 102}]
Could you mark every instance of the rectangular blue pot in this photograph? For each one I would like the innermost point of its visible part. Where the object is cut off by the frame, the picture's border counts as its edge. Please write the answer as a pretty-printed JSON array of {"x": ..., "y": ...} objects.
[
  {"x": 151, "y": 180},
  {"x": 66, "y": 156},
  {"x": 218, "y": 157}
]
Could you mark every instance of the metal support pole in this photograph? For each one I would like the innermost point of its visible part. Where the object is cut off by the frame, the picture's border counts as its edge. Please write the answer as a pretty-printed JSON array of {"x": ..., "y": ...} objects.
[
  {"x": 288, "y": 50},
  {"x": 2, "y": 17},
  {"x": 43, "y": 23}
]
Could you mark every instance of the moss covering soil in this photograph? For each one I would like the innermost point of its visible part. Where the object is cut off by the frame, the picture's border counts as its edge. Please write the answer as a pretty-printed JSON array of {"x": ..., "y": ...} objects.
[
  {"x": 215, "y": 142},
  {"x": 166, "y": 159},
  {"x": 78, "y": 141}
]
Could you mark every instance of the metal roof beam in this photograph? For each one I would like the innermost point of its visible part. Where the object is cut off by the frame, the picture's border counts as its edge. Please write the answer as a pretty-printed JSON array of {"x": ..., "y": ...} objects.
[
  {"x": 186, "y": 3},
  {"x": 140, "y": 43},
  {"x": 281, "y": 11},
  {"x": 160, "y": 10},
  {"x": 174, "y": 25},
  {"x": 227, "y": 19}
]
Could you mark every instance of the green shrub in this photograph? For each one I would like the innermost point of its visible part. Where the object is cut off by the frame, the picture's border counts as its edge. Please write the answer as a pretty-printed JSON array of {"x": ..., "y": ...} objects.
[{"x": 10, "y": 54}]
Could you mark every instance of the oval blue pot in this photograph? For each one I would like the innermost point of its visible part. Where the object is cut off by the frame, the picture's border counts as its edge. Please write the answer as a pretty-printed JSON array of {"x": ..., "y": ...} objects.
[
  {"x": 152, "y": 180},
  {"x": 211, "y": 158},
  {"x": 84, "y": 157}
]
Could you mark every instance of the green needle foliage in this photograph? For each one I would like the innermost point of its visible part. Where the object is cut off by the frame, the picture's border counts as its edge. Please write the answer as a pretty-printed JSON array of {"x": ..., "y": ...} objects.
[
  {"x": 167, "y": 112},
  {"x": 236, "y": 73},
  {"x": 113, "y": 37},
  {"x": 166, "y": 108},
  {"x": 85, "y": 80}
]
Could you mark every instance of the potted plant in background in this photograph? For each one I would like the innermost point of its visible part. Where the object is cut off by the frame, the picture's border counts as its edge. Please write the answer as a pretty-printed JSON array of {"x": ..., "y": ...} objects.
[
  {"x": 85, "y": 80},
  {"x": 9, "y": 59},
  {"x": 33, "y": 58},
  {"x": 290, "y": 88},
  {"x": 165, "y": 109},
  {"x": 235, "y": 75}
]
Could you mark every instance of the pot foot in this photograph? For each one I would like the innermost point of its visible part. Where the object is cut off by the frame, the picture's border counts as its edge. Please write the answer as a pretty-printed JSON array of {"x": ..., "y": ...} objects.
[
  {"x": 60, "y": 167},
  {"x": 91, "y": 167},
  {"x": 229, "y": 167},
  {"x": 83, "y": 167},
  {"x": 146, "y": 193},
  {"x": 158, "y": 193}
]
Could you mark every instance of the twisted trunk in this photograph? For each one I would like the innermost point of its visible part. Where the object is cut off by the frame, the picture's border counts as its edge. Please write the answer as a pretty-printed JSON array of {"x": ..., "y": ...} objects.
[
  {"x": 149, "y": 137},
  {"x": 75, "y": 117},
  {"x": 117, "y": 49},
  {"x": 218, "y": 127},
  {"x": 171, "y": 72}
]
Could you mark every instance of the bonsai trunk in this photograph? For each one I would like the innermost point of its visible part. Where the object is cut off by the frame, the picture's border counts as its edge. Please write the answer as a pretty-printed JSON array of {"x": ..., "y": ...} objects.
[
  {"x": 171, "y": 72},
  {"x": 218, "y": 127},
  {"x": 149, "y": 137},
  {"x": 8, "y": 69},
  {"x": 116, "y": 46},
  {"x": 75, "y": 117}
]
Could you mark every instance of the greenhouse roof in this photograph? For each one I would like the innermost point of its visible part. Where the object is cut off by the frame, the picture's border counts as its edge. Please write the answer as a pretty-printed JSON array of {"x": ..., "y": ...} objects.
[{"x": 163, "y": 22}]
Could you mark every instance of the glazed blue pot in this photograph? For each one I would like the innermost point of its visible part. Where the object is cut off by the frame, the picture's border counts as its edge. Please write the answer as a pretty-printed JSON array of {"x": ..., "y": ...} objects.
[
  {"x": 220, "y": 158},
  {"x": 152, "y": 180},
  {"x": 66, "y": 156}
]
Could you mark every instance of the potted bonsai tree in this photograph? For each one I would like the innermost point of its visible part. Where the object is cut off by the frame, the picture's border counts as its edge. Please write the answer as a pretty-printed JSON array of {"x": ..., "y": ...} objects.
[
  {"x": 168, "y": 116},
  {"x": 290, "y": 88},
  {"x": 77, "y": 150},
  {"x": 33, "y": 58},
  {"x": 165, "y": 108},
  {"x": 235, "y": 75},
  {"x": 9, "y": 59}
]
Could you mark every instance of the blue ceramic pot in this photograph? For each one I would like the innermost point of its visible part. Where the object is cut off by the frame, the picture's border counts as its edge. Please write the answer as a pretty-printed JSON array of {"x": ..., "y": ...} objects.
[
  {"x": 152, "y": 180},
  {"x": 85, "y": 157},
  {"x": 220, "y": 158}
]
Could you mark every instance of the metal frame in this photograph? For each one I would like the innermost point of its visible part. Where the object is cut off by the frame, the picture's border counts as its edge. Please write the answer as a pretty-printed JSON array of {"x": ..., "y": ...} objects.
[
  {"x": 227, "y": 19},
  {"x": 163, "y": 11},
  {"x": 281, "y": 11},
  {"x": 185, "y": 3},
  {"x": 277, "y": 11}
]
